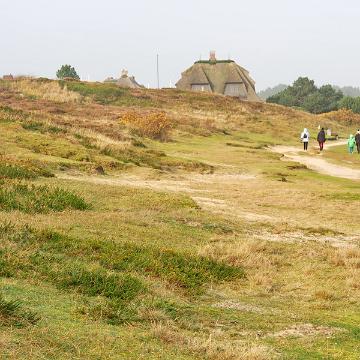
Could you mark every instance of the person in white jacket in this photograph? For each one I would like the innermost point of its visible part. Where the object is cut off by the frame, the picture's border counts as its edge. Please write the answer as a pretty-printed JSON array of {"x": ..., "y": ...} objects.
[{"x": 305, "y": 137}]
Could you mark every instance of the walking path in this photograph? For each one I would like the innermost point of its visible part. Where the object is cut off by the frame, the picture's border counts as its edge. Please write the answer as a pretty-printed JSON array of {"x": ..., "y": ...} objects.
[{"x": 317, "y": 163}]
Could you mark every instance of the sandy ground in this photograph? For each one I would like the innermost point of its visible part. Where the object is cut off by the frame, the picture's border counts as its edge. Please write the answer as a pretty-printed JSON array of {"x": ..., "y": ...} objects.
[{"x": 317, "y": 163}]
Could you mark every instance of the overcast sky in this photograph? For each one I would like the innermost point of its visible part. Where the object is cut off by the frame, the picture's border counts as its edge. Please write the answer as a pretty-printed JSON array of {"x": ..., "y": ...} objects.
[{"x": 276, "y": 40}]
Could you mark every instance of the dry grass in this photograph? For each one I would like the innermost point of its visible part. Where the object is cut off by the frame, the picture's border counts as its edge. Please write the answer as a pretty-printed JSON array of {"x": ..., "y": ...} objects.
[
  {"x": 344, "y": 116},
  {"x": 349, "y": 258},
  {"x": 279, "y": 232},
  {"x": 215, "y": 346},
  {"x": 46, "y": 90},
  {"x": 254, "y": 255}
]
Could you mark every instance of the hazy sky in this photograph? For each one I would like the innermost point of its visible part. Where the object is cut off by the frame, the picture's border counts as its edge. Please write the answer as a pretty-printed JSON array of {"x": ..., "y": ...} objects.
[{"x": 276, "y": 40}]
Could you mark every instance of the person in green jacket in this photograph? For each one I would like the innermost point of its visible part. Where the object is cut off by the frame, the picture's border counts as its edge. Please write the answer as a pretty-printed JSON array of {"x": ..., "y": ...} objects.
[{"x": 351, "y": 144}]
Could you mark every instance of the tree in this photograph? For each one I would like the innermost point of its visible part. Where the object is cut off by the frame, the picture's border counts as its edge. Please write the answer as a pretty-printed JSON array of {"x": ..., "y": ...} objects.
[
  {"x": 350, "y": 103},
  {"x": 301, "y": 89},
  {"x": 324, "y": 100},
  {"x": 67, "y": 71},
  {"x": 304, "y": 94},
  {"x": 295, "y": 94}
]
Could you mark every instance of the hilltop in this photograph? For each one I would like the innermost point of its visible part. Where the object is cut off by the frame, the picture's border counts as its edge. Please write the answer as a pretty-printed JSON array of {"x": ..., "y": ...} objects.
[{"x": 159, "y": 224}]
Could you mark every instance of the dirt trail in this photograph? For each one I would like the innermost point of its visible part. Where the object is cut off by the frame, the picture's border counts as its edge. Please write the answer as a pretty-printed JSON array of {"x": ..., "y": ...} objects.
[
  {"x": 317, "y": 163},
  {"x": 204, "y": 190}
]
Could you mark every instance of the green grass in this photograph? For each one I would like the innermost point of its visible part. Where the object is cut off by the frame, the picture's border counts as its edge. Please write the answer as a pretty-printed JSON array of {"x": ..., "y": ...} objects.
[
  {"x": 39, "y": 199},
  {"x": 16, "y": 172},
  {"x": 344, "y": 196},
  {"x": 12, "y": 313},
  {"x": 10, "y": 170},
  {"x": 41, "y": 127},
  {"x": 224, "y": 260},
  {"x": 183, "y": 271},
  {"x": 180, "y": 270},
  {"x": 99, "y": 282},
  {"x": 53, "y": 257}
]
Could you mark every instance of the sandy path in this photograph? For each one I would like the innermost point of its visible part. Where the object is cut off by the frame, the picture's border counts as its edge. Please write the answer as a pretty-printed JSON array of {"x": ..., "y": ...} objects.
[{"x": 317, "y": 163}]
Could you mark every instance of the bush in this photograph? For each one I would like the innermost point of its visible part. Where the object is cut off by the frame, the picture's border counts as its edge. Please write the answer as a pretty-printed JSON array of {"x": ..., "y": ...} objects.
[
  {"x": 41, "y": 199},
  {"x": 154, "y": 125}
]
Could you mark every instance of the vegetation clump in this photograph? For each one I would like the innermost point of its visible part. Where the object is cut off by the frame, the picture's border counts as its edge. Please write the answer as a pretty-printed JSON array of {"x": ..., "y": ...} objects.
[
  {"x": 154, "y": 125},
  {"x": 39, "y": 199},
  {"x": 122, "y": 287},
  {"x": 12, "y": 313},
  {"x": 21, "y": 170},
  {"x": 187, "y": 272}
]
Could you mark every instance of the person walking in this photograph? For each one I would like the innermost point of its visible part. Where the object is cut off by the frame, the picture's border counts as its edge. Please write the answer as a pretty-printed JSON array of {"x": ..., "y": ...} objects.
[
  {"x": 321, "y": 138},
  {"x": 351, "y": 144},
  {"x": 305, "y": 136},
  {"x": 357, "y": 140}
]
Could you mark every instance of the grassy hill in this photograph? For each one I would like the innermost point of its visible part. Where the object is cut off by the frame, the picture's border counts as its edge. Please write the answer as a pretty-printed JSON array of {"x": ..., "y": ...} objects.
[{"x": 116, "y": 245}]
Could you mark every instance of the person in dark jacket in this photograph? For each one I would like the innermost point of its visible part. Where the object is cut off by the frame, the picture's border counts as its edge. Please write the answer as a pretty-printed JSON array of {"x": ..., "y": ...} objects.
[
  {"x": 357, "y": 141},
  {"x": 321, "y": 138}
]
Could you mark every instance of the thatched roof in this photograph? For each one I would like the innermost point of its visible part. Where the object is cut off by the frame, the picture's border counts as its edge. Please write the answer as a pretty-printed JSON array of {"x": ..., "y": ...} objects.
[
  {"x": 124, "y": 81},
  {"x": 219, "y": 73},
  {"x": 128, "y": 82},
  {"x": 198, "y": 76}
]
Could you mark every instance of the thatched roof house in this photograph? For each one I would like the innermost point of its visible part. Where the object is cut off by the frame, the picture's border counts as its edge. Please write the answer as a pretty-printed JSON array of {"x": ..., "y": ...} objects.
[
  {"x": 219, "y": 76},
  {"x": 125, "y": 81}
]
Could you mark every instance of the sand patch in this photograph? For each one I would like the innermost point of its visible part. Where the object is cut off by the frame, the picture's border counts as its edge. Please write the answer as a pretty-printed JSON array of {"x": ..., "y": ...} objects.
[{"x": 304, "y": 330}]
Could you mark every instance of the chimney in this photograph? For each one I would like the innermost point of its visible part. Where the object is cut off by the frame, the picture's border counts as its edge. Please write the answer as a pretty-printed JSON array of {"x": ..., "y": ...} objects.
[{"x": 212, "y": 56}]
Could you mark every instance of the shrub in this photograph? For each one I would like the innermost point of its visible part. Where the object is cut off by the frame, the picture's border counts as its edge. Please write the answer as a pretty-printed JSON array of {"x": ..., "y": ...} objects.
[
  {"x": 39, "y": 199},
  {"x": 155, "y": 125}
]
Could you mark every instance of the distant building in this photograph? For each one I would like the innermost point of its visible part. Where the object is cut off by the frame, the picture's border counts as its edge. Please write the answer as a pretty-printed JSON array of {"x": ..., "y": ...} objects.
[
  {"x": 8, "y": 77},
  {"x": 219, "y": 76},
  {"x": 125, "y": 81}
]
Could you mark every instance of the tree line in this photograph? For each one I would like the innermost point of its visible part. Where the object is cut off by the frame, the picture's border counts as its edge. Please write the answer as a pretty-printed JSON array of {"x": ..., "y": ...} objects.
[{"x": 305, "y": 95}]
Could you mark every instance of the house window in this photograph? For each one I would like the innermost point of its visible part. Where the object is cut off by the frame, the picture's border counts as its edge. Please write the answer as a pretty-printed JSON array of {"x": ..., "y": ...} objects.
[
  {"x": 235, "y": 89},
  {"x": 201, "y": 87}
]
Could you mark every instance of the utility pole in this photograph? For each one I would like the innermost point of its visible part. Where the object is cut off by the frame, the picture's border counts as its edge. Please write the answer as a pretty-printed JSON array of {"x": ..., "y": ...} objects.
[{"x": 157, "y": 71}]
